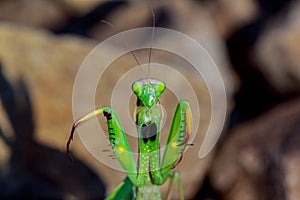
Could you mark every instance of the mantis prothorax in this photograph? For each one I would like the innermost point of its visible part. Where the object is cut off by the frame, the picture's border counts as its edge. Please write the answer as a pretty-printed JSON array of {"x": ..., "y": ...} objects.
[{"x": 143, "y": 180}]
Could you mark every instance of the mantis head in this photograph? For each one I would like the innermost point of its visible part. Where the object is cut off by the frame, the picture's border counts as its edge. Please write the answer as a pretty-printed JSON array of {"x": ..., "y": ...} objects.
[{"x": 148, "y": 90}]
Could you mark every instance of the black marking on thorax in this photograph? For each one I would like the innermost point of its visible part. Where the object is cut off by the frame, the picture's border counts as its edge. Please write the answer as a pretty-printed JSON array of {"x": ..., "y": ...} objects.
[{"x": 149, "y": 132}]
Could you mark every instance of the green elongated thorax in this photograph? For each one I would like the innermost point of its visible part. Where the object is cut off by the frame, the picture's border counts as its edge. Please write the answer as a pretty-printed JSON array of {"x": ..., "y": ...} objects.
[
  {"x": 148, "y": 118},
  {"x": 148, "y": 125}
]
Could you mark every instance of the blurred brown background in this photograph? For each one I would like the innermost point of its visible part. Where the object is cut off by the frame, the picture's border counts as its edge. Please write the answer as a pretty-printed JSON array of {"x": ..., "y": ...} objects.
[{"x": 255, "y": 44}]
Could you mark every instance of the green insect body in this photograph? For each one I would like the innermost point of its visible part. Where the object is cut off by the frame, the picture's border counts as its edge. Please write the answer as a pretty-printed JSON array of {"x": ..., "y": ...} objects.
[{"x": 143, "y": 180}]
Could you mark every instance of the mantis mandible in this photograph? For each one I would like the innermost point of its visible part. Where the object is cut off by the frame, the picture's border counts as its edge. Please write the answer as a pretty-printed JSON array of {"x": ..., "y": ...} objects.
[{"x": 143, "y": 180}]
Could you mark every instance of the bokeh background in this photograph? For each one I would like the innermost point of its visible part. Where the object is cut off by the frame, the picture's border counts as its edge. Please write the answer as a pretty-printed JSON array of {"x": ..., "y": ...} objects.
[{"x": 255, "y": 44}]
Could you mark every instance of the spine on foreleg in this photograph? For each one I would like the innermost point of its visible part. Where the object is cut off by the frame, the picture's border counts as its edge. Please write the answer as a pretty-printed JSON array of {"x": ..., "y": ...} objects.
[{"x": 119, "y": 143}]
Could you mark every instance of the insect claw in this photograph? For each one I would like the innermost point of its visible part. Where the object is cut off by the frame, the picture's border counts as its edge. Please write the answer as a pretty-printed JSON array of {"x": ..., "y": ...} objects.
[{"x": 69, "y": 141}]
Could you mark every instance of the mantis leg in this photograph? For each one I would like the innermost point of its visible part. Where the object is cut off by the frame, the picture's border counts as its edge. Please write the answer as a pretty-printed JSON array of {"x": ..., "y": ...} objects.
[
  {"x": 175, "y": 177},
  {"x": 177, "y": 141},
  {"x": 117, "y": 139},
  {"x": 125, "y": 191}
]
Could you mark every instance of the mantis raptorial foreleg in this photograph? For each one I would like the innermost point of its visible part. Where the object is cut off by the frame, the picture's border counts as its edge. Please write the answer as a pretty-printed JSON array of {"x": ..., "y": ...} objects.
[
  {"x": 177, "y": 141},
  {"x": 116, "y": 137}
]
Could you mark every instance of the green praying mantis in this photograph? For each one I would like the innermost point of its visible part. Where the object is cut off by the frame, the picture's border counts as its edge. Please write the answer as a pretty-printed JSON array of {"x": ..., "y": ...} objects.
[{"x": 144, "y": 179}]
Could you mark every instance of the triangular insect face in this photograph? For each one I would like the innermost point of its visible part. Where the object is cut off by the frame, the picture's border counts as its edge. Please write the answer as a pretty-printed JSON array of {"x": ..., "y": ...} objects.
[{"x": 148, "y": 90}]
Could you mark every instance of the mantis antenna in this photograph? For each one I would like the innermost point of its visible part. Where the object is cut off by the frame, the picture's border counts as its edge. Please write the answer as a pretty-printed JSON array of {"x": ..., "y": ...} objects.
[
  {"x": 152, "y": 36},
  {"x": 126, "y": 44}
]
